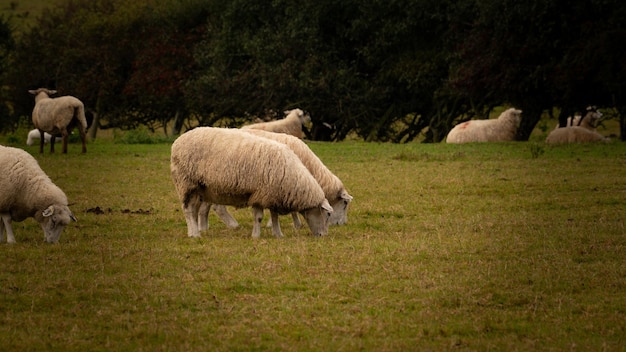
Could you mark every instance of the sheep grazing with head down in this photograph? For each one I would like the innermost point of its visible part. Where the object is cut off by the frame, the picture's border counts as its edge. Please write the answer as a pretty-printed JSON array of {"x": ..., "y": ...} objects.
[
  {"x": 231, "y": 167},
  {"x": 26, "y": 191},
  {"x": 291, "y": 124},
  {"x": 333, "y": 188},
  {"x": 501, "y": 129},
  {"x": 34, "y": 134},
  {"x": 58, "y": 116}
]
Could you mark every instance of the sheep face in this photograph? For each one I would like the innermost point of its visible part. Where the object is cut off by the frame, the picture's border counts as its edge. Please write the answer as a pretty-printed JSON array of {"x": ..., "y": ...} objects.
[
  {"x": 594, "y": 118},
  {"x": 53, "y": 220},
  {"x": 339, "y": 215},
  {"x": 317, "y": 218},
  {"x": 303, "y": 116},
  {"x": 513, "y": 115}
]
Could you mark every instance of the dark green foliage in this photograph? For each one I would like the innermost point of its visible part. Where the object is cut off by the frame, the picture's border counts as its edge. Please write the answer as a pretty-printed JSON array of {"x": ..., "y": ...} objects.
[{"x": 380, "y": 70}]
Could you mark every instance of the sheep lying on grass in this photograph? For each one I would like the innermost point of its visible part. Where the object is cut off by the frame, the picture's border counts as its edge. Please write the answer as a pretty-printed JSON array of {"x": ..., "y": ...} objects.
[
  {"x": 501, "y": 129},
  {"x": 35, "y": 134},
  {"x": 58, "y": 116},
  {"x": 232, "y": 167},
  {"x": 291, "y": 124},
  {"x": 574, "y": 134},
  {"x": 590, "y": 121},
  {"x": 333, "y": 188},
  {"x": 26, "y": 191}
]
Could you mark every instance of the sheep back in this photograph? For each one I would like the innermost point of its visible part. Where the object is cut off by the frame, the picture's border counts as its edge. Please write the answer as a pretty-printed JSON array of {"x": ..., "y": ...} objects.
[
  {"x": 232, "y": 167},
  {"x": 291, "y": 124},
  {"x": 501, "y": 129},
  {"x": 574, "y": 134}
]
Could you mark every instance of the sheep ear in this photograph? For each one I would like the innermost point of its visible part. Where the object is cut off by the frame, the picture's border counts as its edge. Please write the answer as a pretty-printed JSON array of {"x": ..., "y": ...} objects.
[
  {"x": 345, "y": 196},
  {"x": 73, "y": 217},
  {"x": 32, "y": 91},
  {"x": 286, "y": 112},
  {"x": 49, "y": 211},
  {"x": 52, "y": 92},
  {"x": 326, "y": 206}
]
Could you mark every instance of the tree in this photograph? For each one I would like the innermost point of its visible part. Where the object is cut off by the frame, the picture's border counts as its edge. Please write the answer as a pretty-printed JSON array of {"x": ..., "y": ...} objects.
[{"x": 7, "y": 46}]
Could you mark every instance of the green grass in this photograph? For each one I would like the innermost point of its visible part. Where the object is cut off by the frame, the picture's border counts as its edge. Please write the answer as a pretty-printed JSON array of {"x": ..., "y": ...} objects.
[{"x": 471, "y": 247}]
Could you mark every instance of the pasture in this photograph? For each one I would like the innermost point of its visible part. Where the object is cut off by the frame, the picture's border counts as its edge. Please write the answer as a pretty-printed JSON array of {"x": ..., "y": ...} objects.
[{"x": 507, "y": 246}]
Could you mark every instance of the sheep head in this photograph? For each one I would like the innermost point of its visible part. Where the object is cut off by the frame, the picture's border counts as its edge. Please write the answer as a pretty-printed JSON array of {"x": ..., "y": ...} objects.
[
  {"x": 303, "y": 116},
  {"x": 317, "y": 218},
  {"x": 53, "y": 220},
  {"x": 40, "y": 93},
  {"x": 513, "y": 115},
  {"x": 339, "y": 215},
  {"x": 593, "y": 115}
]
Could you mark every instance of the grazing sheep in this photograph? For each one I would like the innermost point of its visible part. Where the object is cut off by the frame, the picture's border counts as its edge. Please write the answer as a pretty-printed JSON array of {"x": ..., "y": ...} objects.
[
  {"x": 28, "y": 192},
  {"x": 590, "y": 121},
  {"x": 291, "y": 124},
  {"x": 231, "y": 167},
  {"x": 58, "y": 116},
  {"x": 333, "y": 188},
  {"x": 501, "y": 129},
  {"x": 574, "y": 134},
  {"x": 34, "y": 134}
]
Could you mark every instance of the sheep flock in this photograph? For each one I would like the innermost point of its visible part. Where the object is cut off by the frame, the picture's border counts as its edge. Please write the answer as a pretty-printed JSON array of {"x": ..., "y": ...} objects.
[{"x": 260, "y": 166}]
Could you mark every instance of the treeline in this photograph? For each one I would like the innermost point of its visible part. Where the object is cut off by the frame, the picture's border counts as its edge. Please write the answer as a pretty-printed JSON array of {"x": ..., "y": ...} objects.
[{"x": 384, "y": 70}]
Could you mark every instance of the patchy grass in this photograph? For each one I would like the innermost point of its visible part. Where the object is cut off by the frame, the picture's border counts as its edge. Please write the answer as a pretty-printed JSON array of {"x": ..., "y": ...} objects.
[{"x": 479, "y": 247}]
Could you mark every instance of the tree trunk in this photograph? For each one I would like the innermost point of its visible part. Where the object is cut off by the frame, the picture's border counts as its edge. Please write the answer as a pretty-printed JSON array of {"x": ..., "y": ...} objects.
[{"x": 530, "y": 117}]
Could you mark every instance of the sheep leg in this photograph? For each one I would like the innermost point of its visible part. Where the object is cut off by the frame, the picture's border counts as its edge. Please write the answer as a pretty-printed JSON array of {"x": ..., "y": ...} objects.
[
  {"x": 191, "y": 217},
  {"x": 6, "y": 219},
  {"x": 41, "y": 141},
  {"x": 225, "y": 216},
  {"x": 296, "y": 220},
  {"x": 258, "y": 218},
  {"x": 203, "y": 216},
  {"x": 275, "y": 224}
]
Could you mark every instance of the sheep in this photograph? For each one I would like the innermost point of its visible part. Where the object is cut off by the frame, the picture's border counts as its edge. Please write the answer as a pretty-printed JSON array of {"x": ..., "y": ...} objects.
[
  {"x": 34, "y": 134},
  {"x": 58, "y": 116},
  {"x": 590, "y": 121},
  {"x": 28, "y": 192},
  {"x": 333, "y": 188},
  {"x": 574, "y": 134},
  {"x": 231, "y": 167},
  {"x": 501, "y": 129},
  {"x": 291, "y": 124}
]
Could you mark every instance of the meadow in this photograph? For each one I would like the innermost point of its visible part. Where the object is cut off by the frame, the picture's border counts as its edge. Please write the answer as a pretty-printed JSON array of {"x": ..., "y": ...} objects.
[{"x": 508, "y": 246}]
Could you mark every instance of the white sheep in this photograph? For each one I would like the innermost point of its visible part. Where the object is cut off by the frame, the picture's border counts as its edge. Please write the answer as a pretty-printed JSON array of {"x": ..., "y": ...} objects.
[
  {"x": 590, "y": 121},
  {"x": 35, "y": 134},
  {"x": 58, "y": 116},
  {"x": 574, "y": 134},
  {"x": 501, "y": 129},
  {"x": 28, "y": 192},
  {"x": 333, "y": 188},
  {"x": 291, "y": 124},
  {"x": 231, "y": 167}
]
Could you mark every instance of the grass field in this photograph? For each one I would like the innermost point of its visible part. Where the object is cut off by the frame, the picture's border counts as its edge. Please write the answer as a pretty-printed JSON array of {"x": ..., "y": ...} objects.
[{"x": 516, "y": 246}]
